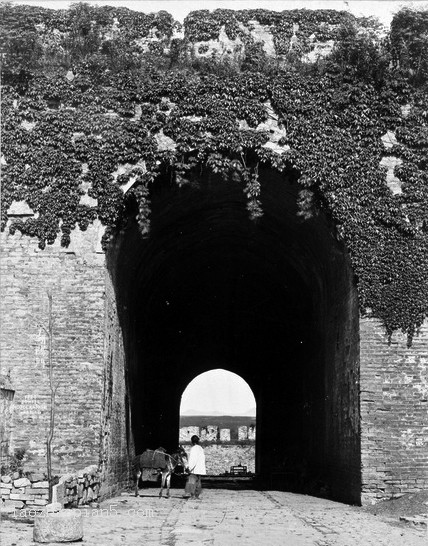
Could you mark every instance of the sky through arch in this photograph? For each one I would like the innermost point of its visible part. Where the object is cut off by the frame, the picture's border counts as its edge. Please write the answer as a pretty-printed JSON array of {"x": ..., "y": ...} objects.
[{"x": 218, "y": 392}]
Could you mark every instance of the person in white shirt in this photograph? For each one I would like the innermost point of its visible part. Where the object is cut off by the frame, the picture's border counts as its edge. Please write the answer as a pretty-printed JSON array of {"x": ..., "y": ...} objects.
[{"x": 196, "y": 467}]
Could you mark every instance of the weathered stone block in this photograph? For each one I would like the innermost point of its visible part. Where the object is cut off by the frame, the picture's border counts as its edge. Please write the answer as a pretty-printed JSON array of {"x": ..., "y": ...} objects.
[
  {"x": 36, "y": 478},
  {"x": 63, "y": 526},
  {"x": 53, "y": 507},
  {"x": 225, "y": 435},
  {"x": 18, "y": 490},
  {"x": 41, "y": 485},
  {"x": 187, "y": 432},
  {"x": 58, "y": 494},
  {"x": 6, "y": 479},
  {"x": 22, "y": 497},
  {"x": 209, "y": 433},
  {"x": 36, "y": 491},
  {"x": 66, "y": 478},
  {"x": 243, "y": 433},
  {"x": 6, "y": 509},
  {"x": 18, "y": 504},
  {"x": 21, "y": 482},
  {"x": 91, "y": 470}
]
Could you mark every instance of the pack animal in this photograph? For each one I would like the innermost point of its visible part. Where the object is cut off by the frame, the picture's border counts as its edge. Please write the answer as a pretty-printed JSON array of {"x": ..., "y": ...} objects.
[{"x": 158, "y": 461}]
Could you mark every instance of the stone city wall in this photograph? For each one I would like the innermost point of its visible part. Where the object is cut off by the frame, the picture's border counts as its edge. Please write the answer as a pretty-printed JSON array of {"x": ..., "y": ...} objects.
[
  {"x": 214, "y": 433},
  {"x": 76, "y": 278},
  {"x": 219, "y": 458},
  {"x": 393, "y": 377},
  {"x": 224, "y": 447},
  {"x": 88, "y": 359},
  {"x": 116, "y": 447},
  {"x": 394, "y": 410}
]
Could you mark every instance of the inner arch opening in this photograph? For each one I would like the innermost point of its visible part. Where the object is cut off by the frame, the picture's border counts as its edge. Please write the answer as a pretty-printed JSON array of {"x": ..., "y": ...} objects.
[
  {"x": 273, "y": 301},
  {"x": 219, "y": 407}
]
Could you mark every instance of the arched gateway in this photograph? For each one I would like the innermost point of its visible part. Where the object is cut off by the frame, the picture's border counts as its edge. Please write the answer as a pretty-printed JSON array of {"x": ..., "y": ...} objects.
[
  {"x": 274, "y": 300},
  {"x": 340, "y": 408}
]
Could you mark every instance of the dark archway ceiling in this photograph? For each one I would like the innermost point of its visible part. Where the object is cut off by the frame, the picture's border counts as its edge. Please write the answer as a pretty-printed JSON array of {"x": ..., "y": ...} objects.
[{"x": 209, "y": 288}]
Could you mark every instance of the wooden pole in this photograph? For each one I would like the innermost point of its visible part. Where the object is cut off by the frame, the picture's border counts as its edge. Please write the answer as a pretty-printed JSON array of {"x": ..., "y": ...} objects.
[{"x": 53, "y": 392}]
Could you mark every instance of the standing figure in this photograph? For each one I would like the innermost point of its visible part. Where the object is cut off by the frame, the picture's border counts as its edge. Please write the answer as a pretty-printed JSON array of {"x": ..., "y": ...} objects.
[{"x": 196, "y": 467}]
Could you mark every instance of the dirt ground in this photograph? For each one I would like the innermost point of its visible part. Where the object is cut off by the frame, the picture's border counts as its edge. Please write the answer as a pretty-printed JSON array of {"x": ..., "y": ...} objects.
[{"x": 238, "y": 518}]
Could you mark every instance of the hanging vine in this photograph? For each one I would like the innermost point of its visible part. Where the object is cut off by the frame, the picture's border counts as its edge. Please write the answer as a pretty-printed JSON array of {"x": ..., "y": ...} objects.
[{"x": 88, "y": 90}]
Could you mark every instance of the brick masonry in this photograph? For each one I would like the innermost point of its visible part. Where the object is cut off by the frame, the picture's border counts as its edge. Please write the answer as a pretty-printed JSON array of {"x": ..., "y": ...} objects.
[
  {"x": 76, "y": 277},
  {"x": 394, "y": 412},
  {"x": 116, "y": 445},
  {"x": 89, "y": 368}
]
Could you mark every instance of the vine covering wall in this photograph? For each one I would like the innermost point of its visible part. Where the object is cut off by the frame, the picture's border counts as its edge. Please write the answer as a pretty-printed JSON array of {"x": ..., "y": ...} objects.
[{"x": 98, "y": 102}]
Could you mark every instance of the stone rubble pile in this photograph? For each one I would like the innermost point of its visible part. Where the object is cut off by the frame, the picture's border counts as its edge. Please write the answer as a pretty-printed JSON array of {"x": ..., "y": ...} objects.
[
  {"x": 17, "y": 493},
  {"x": 32, "y": 492},
  {"x": 80, "y": 488}
]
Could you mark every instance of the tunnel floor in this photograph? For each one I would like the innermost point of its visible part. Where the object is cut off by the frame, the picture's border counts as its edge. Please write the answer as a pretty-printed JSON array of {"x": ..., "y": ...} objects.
[{"x": 231, "y": 518}]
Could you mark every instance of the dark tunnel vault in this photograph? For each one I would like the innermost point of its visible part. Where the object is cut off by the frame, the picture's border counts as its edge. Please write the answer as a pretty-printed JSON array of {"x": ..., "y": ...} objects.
[{"x": 273, "y": 301}]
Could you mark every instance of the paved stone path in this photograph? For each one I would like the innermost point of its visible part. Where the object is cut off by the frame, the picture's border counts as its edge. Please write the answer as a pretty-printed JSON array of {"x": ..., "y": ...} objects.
[{"x": 224, "y": 517}]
